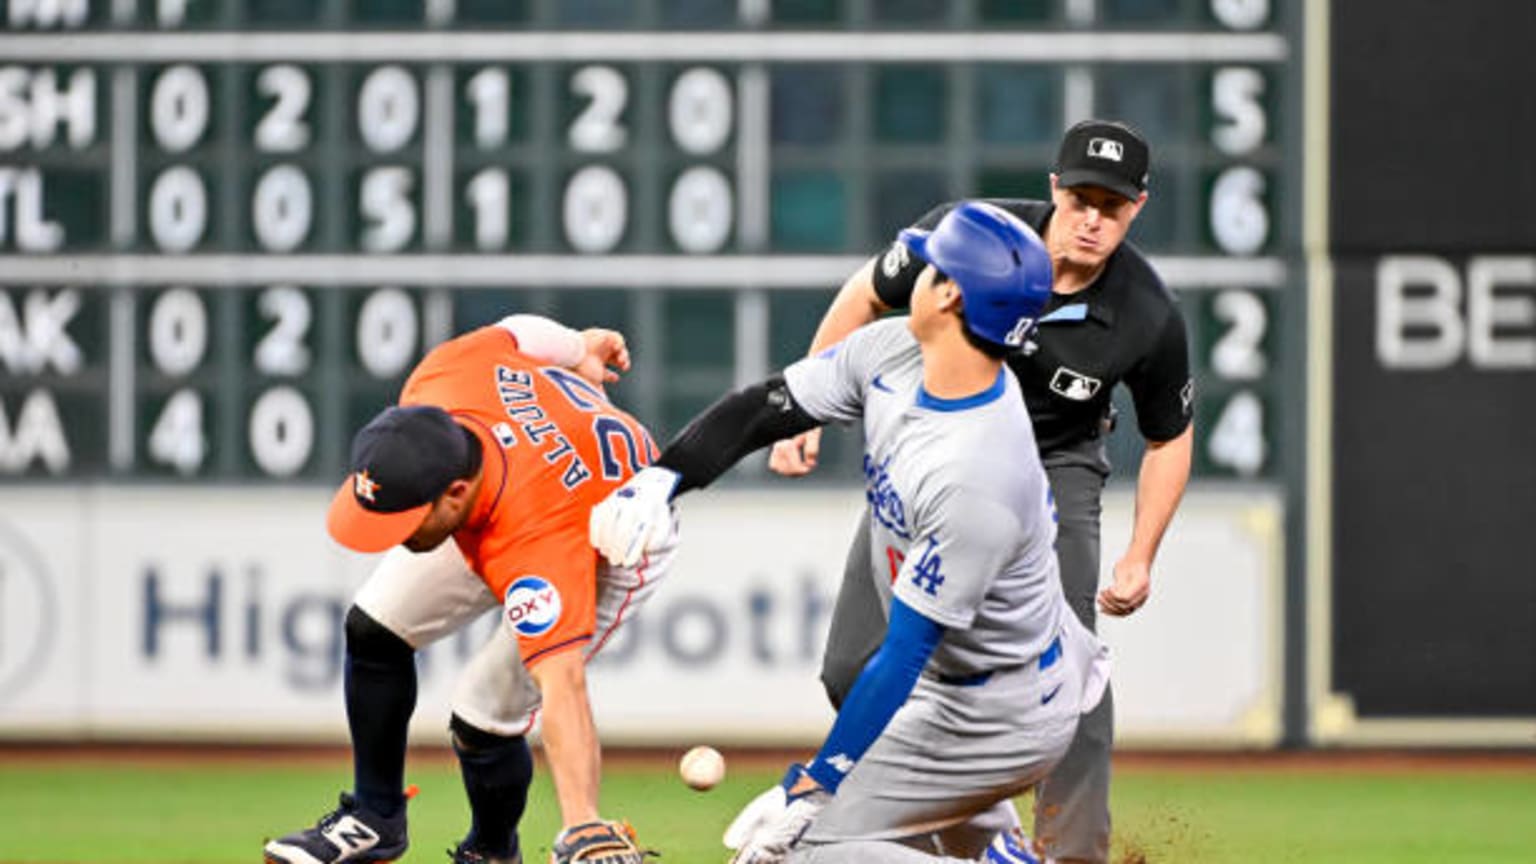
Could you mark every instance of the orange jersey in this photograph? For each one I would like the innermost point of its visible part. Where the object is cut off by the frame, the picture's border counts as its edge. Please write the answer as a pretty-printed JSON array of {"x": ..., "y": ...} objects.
[{"x": 554, "y": 446}]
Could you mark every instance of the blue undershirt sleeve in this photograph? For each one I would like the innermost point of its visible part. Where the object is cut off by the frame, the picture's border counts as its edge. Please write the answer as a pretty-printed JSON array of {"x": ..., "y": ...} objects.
[{"x": 882, "y": 688}]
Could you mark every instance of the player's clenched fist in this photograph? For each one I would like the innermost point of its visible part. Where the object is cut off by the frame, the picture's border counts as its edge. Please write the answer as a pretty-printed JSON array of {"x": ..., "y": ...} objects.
[
  {"x": 605, "y": 355},
  {"x": 600, "y": 842},
  {"x": 796, "y": 457},
  {"x": 634, "y": 517}
]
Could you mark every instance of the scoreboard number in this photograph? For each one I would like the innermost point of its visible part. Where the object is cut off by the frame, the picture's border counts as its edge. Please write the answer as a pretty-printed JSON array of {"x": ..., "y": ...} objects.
[
  {"x": 388, "y": 109},
  {"x": 177, "y": 437},
  {"x": 699, "y": 111},
  {"x": 178, "y": 108},
  {"x": 1237, "y": 438},
  {"x": 598, "y": 129},
  {"x": 1239, "y": 354},
  {"x": 178, "y": 209},
  {"x": 389, "y": 215},
  {"x": 281, "y": 431},
  {"x": 1237, "y": 95},
  {"x": 490, "y": 92},
  {"x": 699, "y": 210},
  {"x": 282, "y": 209},
  {"x": 282, "y": 129},
  {"x": 178, "y": 332},
  {"x": 387, "y": 333},
  {"x": 595, "y": 210},
  {"x": 488, "y": 193},
  {"x": 1239, "y": 217},
  {"x": 281, "y": 351}
]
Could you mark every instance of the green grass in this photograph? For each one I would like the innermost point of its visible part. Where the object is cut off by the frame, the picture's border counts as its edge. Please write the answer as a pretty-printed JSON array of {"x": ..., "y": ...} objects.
[{"x": 212, "y": 813}]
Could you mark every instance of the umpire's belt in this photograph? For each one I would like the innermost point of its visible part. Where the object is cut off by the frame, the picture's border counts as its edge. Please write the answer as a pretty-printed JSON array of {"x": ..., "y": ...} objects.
[{"x": 1047, "y": 659}]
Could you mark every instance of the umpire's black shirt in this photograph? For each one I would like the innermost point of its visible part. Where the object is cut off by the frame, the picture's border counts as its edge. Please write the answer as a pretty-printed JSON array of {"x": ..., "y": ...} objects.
[{"x": 1125, "y": 326}]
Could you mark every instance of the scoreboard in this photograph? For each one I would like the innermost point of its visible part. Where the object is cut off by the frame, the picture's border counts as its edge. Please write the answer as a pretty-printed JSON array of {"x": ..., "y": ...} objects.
[{"x": 228, "y": 228}]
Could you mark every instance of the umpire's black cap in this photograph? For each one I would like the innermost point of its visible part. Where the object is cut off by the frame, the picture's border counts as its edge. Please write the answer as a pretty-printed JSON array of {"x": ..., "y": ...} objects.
[{"x": 1104, "y": 153}]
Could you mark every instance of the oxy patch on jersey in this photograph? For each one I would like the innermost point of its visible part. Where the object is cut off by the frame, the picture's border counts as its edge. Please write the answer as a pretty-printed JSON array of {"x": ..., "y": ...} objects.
[
  {"x": 884, "y": 501},
  {"x": 532, "y": 605}
]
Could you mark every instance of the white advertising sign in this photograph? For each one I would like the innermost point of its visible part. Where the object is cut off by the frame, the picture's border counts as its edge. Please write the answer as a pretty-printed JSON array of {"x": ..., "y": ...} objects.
[{"x": 216, "y": 614}]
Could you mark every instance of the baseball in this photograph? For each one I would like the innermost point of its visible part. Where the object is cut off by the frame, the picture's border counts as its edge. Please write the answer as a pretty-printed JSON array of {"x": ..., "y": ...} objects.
[{"x": 702, "y": 767}]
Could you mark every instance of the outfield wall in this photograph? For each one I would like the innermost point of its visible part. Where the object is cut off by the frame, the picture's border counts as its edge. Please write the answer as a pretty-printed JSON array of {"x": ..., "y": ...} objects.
[{"x": 216, "y": 615}]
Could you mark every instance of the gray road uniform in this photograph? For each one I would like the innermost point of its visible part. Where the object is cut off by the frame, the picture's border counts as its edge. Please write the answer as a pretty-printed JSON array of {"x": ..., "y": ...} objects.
[
  {"x": 1125, "y": 327},
  {"x": 962, "y": 529}
]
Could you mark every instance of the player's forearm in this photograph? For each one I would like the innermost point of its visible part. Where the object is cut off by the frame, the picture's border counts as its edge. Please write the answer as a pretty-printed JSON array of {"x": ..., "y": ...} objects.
[
  {"x": 570, "y": 736},
  {"x": 877, "y": 694},
  {"x": 737, "y": 424},
  {"x": 855, "y": 305},
  {"x": 1159, "y": 488}
]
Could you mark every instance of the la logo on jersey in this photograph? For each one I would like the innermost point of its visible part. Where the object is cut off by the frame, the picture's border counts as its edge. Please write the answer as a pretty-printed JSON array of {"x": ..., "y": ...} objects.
[
  {"x": 1106, "y": 148},
  {"x": 532, "y": 605}
]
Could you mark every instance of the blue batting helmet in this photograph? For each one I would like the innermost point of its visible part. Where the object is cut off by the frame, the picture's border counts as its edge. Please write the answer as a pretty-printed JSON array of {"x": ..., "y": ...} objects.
[{"x": 1002, "y": 268}]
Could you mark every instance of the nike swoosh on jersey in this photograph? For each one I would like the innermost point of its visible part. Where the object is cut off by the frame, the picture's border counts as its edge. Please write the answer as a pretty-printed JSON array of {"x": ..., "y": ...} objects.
[
  {"x": 1046, "y": 699},
  {"x": 879, "y": 384}
]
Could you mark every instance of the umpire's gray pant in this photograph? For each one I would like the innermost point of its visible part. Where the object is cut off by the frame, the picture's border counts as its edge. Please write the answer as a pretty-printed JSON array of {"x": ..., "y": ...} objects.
[{"x": 1072, "y": 804}]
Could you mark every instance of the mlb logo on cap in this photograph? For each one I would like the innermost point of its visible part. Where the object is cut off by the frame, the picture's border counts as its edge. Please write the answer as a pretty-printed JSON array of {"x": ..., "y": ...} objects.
[
  {"x": 1104, "y": 153},
  {"x": 1106, "y": 148}
]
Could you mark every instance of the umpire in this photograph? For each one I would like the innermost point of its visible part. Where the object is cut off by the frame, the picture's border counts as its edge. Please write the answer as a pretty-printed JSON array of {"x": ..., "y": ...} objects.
[{"x": 1110, "y": 319}]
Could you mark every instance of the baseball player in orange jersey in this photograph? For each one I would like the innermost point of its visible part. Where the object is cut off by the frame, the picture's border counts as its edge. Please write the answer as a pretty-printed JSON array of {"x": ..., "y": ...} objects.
[{"x": 479, "y": 485}]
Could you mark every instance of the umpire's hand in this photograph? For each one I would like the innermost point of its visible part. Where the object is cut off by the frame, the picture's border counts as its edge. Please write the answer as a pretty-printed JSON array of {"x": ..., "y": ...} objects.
[
  {"x": 1130, "y": 590},
  {"x": 796, "y": 457}
]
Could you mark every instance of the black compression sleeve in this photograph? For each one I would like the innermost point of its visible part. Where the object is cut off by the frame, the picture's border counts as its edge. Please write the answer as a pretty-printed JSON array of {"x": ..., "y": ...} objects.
[
  {"x": 896, "y": 271},
  {"x": 734, "y": 426}
]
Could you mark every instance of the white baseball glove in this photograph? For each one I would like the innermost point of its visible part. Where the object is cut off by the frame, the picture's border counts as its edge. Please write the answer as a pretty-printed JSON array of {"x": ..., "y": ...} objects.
[{"x": 635, "y": 517}]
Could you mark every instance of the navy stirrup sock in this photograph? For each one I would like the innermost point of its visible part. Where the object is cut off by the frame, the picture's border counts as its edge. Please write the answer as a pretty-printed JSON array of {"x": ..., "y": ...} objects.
[
  {"x": 380, "y": 687},
  {"x": 497, "y": 771}
]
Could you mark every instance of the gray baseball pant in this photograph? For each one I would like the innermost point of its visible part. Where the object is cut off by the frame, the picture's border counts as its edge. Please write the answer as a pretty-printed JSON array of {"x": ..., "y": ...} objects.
[{"x": 1072, "y": 804}]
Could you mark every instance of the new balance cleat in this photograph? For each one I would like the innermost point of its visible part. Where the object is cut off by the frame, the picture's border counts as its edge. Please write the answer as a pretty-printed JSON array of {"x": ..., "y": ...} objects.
[
  {"x": 1011, "y": 847},
  {"x": 349, "y": 833}
]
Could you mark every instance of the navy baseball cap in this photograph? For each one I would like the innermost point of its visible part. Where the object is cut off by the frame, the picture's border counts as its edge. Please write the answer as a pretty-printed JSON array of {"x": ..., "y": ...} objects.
[
  {"x": 401, "y": 462},
  {"x": 1104, "y": 153}
]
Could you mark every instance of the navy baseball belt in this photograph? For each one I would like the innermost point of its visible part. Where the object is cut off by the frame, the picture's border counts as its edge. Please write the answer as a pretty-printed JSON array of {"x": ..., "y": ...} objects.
[{"x": 1046, "y": 660}]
